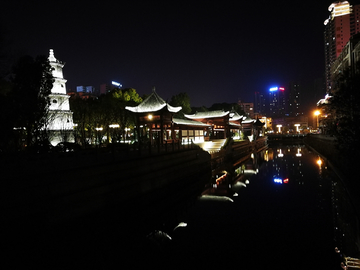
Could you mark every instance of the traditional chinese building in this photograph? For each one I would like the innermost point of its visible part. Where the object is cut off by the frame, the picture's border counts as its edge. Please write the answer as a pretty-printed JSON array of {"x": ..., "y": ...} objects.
[
  {"x": 223, "y": 124},
  {"x": 154, "y": 119},
  {"x": 155, "y": 122},
  {"x": 190, "y": 130}
]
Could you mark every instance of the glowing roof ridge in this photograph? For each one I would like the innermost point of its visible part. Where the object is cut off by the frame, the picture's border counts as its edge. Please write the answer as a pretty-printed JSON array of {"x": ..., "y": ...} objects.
[
  {"x": 208, "y": 114},
  {"x": 153, "y": 103}
]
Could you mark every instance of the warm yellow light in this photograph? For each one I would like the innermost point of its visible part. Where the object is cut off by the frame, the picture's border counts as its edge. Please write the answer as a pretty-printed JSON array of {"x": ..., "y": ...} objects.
[
  {"x": 319, "y": 162},
  {"x": 114, "y": 126}
]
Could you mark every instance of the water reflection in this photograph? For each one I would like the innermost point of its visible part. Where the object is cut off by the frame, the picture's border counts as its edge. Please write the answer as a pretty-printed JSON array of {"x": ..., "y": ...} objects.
[{"x": 282, "y": 205}]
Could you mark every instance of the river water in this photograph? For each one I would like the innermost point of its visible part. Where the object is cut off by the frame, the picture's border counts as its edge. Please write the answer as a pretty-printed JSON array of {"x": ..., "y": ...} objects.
[{"x": 286, "y": 210}]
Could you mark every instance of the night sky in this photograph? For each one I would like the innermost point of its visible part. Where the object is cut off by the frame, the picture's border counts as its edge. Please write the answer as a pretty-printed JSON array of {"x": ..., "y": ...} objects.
[{"x": 216, "y": 51}]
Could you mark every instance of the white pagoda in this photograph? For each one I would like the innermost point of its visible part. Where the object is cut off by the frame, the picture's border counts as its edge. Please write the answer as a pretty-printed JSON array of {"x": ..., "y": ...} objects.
[{"x": 60, "y": 122}]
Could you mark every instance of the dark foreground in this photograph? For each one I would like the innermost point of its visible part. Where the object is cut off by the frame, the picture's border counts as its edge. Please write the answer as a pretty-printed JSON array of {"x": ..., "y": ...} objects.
[{"x": 260, "y": 222}]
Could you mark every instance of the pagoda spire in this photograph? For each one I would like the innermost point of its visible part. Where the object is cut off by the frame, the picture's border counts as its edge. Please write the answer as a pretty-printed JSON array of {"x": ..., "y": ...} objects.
[{"x": 52, "y": 56}]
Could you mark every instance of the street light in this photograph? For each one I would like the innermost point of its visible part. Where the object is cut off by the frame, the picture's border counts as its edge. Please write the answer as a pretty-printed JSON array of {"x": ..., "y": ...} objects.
[
  {"x": 113, "y": 126},
  {"x": 317, "y": 113},
  {"x": 98, "y": 129}
]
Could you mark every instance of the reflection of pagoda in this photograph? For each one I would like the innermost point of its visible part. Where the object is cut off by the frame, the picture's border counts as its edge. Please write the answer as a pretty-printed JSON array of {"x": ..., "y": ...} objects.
[{"x": 60, "y": 121}]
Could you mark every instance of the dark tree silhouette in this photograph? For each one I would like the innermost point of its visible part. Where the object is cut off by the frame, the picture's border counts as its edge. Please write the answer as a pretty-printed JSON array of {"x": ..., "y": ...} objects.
[
  {"x": 31, "y": 85},
  {"x": 344, "y": 109}
]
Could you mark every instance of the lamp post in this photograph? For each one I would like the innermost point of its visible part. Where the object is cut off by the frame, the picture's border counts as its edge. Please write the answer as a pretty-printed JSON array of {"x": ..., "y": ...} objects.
[
  {"x": 127, "y": 130},
  {"x": 317, "y": 113},
  {"x": 98, "y": 135},
  {"x": 113, "y": 126}
]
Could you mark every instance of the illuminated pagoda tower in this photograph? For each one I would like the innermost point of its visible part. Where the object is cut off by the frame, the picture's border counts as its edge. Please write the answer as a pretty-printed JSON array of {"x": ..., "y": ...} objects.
[{"x": 60, "y": 122}]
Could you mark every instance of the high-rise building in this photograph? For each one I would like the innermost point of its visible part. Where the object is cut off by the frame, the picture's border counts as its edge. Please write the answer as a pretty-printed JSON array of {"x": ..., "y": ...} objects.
[
  {"x": 247, "y": 107},
  {"x": 259, "y": 104},
  {"x": 342, "y": 24},
  {"x": 276, "y": 102},
  {"x": 85, "y": 89},
  {"x": 293, "y": 99}
]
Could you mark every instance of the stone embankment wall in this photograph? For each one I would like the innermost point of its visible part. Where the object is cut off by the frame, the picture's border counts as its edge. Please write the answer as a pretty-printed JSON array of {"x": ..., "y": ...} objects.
[
  {"x": 62, "y": 193},
  {"x": 343, "y": 166},
  {"x": 326, "y": 145}
]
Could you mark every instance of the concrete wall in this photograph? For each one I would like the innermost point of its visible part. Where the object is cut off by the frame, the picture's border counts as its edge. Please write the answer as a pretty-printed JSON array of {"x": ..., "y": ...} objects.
[{"x": 58, "y": 195}]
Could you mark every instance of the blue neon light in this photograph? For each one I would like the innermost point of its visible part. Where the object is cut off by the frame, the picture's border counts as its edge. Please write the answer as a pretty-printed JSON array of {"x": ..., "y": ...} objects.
[
  {"x": 278, "y": 180},
  {"x": 281, "y": 181},
  {"x": 116, "y": 84}
]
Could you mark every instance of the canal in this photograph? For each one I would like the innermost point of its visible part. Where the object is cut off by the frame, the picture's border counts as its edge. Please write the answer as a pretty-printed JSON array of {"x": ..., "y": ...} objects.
[{"x": 286, "y": 210}]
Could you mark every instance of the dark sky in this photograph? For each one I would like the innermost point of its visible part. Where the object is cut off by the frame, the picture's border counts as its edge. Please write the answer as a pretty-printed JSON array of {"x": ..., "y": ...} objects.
[{"x": 216, "y": 51}]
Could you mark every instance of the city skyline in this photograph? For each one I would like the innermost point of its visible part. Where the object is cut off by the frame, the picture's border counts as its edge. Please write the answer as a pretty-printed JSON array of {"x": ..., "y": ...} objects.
[{"x": 216, "y": 52}]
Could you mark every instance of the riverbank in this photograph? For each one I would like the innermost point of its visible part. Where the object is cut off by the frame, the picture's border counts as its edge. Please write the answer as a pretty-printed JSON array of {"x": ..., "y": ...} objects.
[{"x": 344, "y": 167}]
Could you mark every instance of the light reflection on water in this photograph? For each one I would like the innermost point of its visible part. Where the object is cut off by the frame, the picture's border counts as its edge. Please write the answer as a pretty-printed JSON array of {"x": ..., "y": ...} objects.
[{"x": 281, "y": 211}]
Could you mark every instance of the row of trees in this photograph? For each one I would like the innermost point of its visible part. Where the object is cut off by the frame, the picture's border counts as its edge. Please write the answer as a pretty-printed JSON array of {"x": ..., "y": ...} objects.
[
  {"x": 96, "y": 118},
  {"x": 106, "y": 115},
  {"x": 343, "y": 110}
]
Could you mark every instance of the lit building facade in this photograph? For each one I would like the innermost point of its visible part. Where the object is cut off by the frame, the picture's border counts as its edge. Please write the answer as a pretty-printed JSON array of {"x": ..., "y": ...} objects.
[
  {"x": 85, "y": 89},
  {"x": 259, "y": 104},
  {"x": 348, "y": 57},
  {"x": 276, "y": 102},
  {"x": 294, "y": 99},
  {"x": 342, "y": 24},
  {"x": 248, "y": 108}
]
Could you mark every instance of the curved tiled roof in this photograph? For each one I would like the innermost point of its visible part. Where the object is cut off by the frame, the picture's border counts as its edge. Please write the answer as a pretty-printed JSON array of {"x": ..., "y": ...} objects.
[
  {"x": 209, "y": 114},
  {"x": 236, "y": 117},
  {"x": 153, "y": 103}
]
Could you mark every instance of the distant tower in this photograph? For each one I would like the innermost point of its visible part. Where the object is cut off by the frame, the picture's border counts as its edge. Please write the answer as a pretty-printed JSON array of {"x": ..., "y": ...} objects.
[
  {"x": 276, "y": 102},
  {"x": 294, "y": 99},
  {"x": 259, "y": 104},
  {"x": 343, "y": 23},
  {"x": 60, "y": 122}
]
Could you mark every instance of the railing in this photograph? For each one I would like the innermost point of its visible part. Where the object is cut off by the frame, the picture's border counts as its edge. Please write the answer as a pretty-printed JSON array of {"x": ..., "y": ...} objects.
[
  {"x": 285, "y": 137},
  {"x": 168, "y": 146}
]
